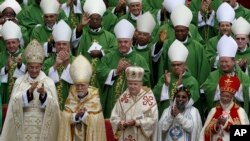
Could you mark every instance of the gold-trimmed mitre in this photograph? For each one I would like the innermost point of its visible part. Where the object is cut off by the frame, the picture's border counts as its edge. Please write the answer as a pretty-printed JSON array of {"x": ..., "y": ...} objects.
[
  {"x": 34, "y": 52},
  {"x": 80, "y": 70},
  {"x": 134, "y": 73}
]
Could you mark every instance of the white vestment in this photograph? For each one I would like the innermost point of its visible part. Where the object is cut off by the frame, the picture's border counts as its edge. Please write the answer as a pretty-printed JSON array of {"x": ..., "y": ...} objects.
[
  {"x": 186, "y": 126},
  {"x": 143, "y": 109},
  {"x": 32, "y": 121}
]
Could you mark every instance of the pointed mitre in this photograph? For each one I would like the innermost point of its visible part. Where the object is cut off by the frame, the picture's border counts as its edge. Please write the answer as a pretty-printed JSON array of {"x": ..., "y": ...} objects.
[
  {"x": 80, "y": 70},
  {"x": 13, "y": 4},
  {"x": 241, "y": 27},
  {"x": 225, "y": 13},
  {"x": 62, "y": 31},
  {"x": 11, "y": 30},
  {"x": 133, "y": 1},
  {"x": 227, "y": 47},
  {"x": 134, "y": 73},
  {"x": 181, "y": 15},
  {"x": 34, "y": 52},
  {"x": 49, "y": 6},
  {"x": 94, "y": 7},
  {"x": 170, "y": 5},
  {"x": 177, "y": 52},
  {"x": 124, "y": 29},
  {"x": 146, "y": 23}
]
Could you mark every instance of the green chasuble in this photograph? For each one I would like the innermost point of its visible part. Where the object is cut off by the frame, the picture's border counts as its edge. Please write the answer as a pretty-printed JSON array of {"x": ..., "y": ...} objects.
[
  {"x": 104, "y": 38},
  {"x": 146, "y": 54},
  {"x": 109, "y": 21},
  {"x": 113, "y": 3},
  {"x": 211, "y": 84},
  {"x": 169, "y": 28},
  {"x": 110, "y": 92},
  {"x": 242, "y": 12},
  {"x": 41, "y": 33},
  {"x": 133, "y": 21},
  {"x": 62, "y": 86},
  {"x": 211, "y": 51},
  {"x": 33, "y": 15},
  {"x": 152, "y": 5},
  {"x": 188, "y": 81},
  {"x": 195, "y": 6},
  {"x": 196, "y": 62},
  {"x": 244, "y": 55},
  {"x": 6, "y": 88},
  {"x": 2, "y": 45}
]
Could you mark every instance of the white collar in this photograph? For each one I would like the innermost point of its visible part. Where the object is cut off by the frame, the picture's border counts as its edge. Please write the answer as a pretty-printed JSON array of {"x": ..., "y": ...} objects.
[
  {"x": 243, "y": 50},
  {"x": 96, "y": 30},
  {"x": 135, "y": 17},
  {"x": 142, "y": 47},
  {"x": 184, "y": 42},
  {"x": 237, "y": 6}
]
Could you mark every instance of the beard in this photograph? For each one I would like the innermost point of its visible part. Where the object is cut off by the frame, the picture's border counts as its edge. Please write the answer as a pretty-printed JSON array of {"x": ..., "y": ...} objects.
[
  {"x": 225, "y": 106},
  {"x": 181, "y": 106},
  {"x": 81, "y": 94}
]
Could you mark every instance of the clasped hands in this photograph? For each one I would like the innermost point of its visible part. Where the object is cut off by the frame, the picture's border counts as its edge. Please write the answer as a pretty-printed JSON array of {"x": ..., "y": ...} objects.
[
  {"x": 80, "y": 113},
  {"x": 40, "y": 90},
  {"x": 127, "y": 123},
  {"x": 122, "y": 65}
]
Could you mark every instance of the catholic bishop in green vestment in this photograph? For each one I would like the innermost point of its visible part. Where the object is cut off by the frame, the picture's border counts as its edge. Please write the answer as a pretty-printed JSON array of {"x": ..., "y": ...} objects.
[
  {"x": 33, "y": 111},
  {"x": 73, "y": 11},
  {"x": 12, "y": 66},
  {"x": 204, "y": 17},
  {"x": 43, "y": 32},
  {"x": 177, "y": 77},
  {"x": 82, "y": 118},
  {"x": 227, "y": 48},
  {"x": 241, "y": 30},
  {"x": 240, "y": 10},
  {"x": 167, "y": 25},
  {"x": 144, "y": 42},
  {"x": 135, "y": 8},
  {"x": 197, "y": 62},
  {"x": 135, "y": 11},
  {"x": 9, "y": 10},
  {"x": 111, "y": 68},
  {"x": 57, "y": 65},
  {"x": 135, "y": 114},
  {"x": 91, "y": 39},
  {"x": 225, "y": 16},
  {"x": 32, "y": 15}
]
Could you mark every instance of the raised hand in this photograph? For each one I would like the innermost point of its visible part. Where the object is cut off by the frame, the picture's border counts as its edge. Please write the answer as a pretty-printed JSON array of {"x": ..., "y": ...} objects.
[
  {"x": 33, "y": 87},
  {"x": 174, "y": 111},
  {"x": 205, "y": 6},
  {"x": 19, "y": 59},
  {"x": 163, "y": 35},
  {"x": 167, "y": 77},
  {"x": 41, "y": 90},
  {"x": 85, "y": 19}
]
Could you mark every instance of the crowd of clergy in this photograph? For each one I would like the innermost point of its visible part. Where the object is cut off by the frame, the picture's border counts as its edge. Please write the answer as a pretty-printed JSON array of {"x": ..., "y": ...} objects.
[{"x": 152, "y": 70}]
